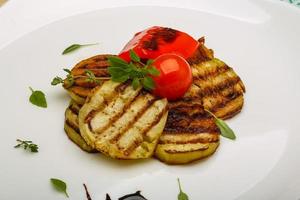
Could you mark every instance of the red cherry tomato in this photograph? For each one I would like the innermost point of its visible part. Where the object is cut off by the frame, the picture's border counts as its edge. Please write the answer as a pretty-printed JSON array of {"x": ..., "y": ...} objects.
[
  {"x": 175, "y": 76},
  {"x": 155, "y": 41}
]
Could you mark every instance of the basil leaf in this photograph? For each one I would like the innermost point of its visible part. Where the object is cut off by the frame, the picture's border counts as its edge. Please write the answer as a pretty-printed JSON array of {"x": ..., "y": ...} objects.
[
  {"x": 115, "y": 61},
  {"x": 226, "y": 131},
  {"x": 59, "y": 185},
  {"x": 135, "y": 70},
  {"x": 135, "y": 83},
  {"x": 57, "y": 80},
  {"x": 38, "y": 98},
  {"x": 67, "y": 70},
  {"x": 120, "y": 79},
  {"x": 148, "y": 83},
  {"x": 149, "y": 62},
  {"x": 181, "y": 195},
  {"x": 75, "y": 47},
  {"x": 153, "y": 71},
  {"x": 133, "y": 56}
]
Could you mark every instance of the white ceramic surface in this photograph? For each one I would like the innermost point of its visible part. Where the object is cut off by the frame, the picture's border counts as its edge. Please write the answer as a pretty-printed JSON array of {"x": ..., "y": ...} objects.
[{"x": 263, "y": 163}]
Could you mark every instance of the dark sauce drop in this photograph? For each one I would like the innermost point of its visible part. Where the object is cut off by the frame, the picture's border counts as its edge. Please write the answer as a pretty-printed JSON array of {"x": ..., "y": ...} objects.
[{"x": 134, "y": 196}]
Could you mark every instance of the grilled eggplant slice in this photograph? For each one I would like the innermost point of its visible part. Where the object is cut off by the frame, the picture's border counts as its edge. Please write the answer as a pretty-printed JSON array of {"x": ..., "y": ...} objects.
[
  {"x": 72, "y": 128},
  {"x": 190, "y": 133},
  {"x": 81, "y": 88},
  {"x": 122, "y": 122}
]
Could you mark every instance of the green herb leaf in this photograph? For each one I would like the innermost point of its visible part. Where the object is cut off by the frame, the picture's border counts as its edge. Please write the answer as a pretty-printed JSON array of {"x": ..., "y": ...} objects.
[
  {"x": 181, "y": 195},
  {"x": 59, "y": 185},
  {"x": 57, "y": 80},
  {"x": 115, "y": 61},
  {"x": 135, "y": 83},
  {"x": 67, "y": 70},
  {"x": 150, "y": 62},
  {"x": 133, "y": 56},
  {"x": 91, "y": 77},
  {"x": 139, "y": 73},
  {"x": 153, "y": 71},
  {"x": 75, "y": 47},
  {"x": 148, "y": 83},
  {"x": 38, "y": 98},
  {"x": 225, "y": 130},
  {"x": 26, "y": 144}
]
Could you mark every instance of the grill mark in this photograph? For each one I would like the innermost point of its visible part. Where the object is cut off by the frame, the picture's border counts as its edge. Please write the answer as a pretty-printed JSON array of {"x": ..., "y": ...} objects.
[
  {"x": 115, "y": 139},
  {"x": 184, "y": 152},
  {"x": 92, "y": 113},
  {"x": 73, "y": 126},
  {"x": 103, "y": 72},
  {"x": 94, "y": 59},
  {"x": 182, "y": 120},
  {"x": 117, "y": 116},
  {"x": 73, "y": 109},
  {"x": 191, "y": 141},
  {"x": 202, "y": 54},
  {"x": 90, "y": 116},
  {"x": 144, "y": 132},
  {"x": 231, "y": 113},
  {"x": 80, "y": 91},
  {"x": 219, "y": 70},
  {"x": 213, "y": 89},
  {"x": 223, "y": 103},
  {"x": 121, "y": 88}
]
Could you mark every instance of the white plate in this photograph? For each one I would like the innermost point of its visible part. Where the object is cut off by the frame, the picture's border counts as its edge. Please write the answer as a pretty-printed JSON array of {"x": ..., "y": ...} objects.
[{"x": 263, "y": 163}]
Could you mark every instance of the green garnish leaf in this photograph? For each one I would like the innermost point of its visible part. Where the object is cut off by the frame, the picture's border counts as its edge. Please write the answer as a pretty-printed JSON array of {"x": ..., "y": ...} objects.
[
  {"x": 57, "y": 80},
  {"x": 150, "y": 62},
  {"x": 38, "y": 98},
  {"x": 153, "y": 71},
  {"x": 91, "y": 77},
  {"x": 135, "y": 83},
  {"x": 59, "y": 185},
  {"x": 67, "y": 70},
  {"x": 181, "y": 195},
  {"x": 75, "y": 47},
  {"x": 136, "y": 71},
  {"x": 69, "y": 80},
  {"x": 225, "y": 130},
  {"x": 26, "y": 144},
  {"x": 133, "y": 56},
  {"x": 148, "y": 83}
]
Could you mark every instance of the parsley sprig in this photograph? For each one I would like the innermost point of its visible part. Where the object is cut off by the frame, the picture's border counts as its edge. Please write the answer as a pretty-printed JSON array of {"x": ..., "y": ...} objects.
[
  {"x": 26, "y": 144},
  {"x": 136, "y": 71}
]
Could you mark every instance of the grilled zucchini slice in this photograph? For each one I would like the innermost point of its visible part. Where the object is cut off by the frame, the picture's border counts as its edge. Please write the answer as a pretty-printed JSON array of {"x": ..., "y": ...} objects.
[
  {"x": 121, "y": 122},
  {"x": 72, "y": 128}
]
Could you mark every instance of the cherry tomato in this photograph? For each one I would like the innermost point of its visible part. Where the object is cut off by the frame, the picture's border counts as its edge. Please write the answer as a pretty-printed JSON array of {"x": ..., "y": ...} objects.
[
  {"x": 175, "y": 76},
  {"x": 155, "y": 41}
]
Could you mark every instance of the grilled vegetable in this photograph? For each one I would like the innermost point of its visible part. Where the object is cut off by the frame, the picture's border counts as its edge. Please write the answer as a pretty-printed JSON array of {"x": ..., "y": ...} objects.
[
  {"x": 190, "y": 133},
  {"x": 81, "y": 87},
  {"x": 221, "y": 89},
  {"x": 122, "y": 122},
  {"x": 72, "y": 129},
  {"x": 156, "y": 40}
]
